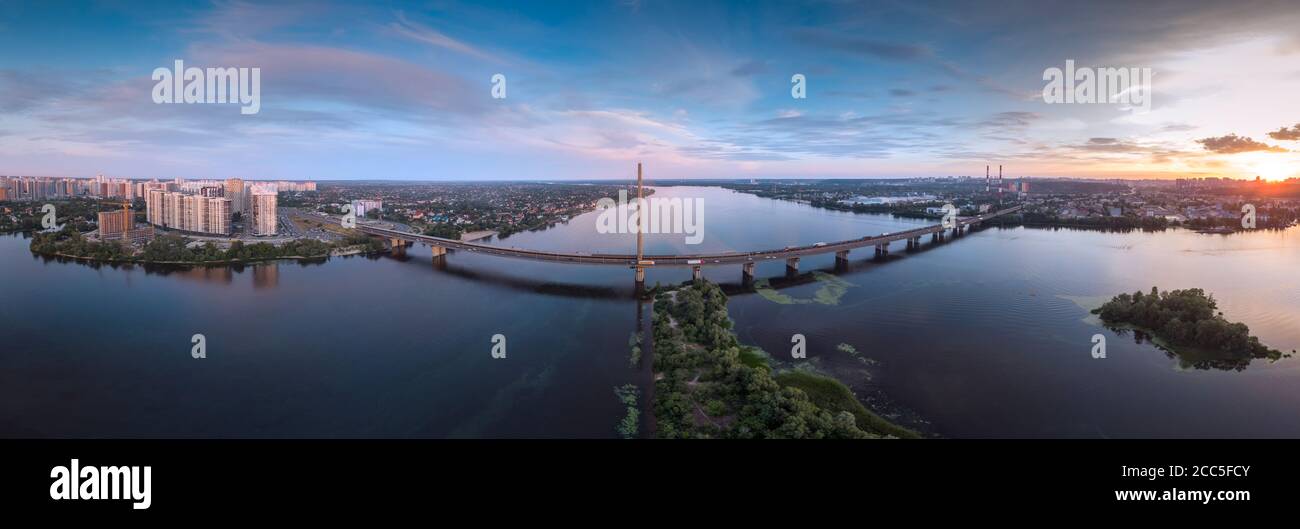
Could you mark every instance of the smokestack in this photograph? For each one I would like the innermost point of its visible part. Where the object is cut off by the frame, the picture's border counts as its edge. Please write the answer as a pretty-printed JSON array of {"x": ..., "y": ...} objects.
[{"x": 999, "y": 174}]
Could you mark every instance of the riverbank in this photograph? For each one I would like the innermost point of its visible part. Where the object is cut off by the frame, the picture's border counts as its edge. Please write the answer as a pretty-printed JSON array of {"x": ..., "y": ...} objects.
[
  {"x": 226, "y": 262},
  {"x": 175, "y": 250}
]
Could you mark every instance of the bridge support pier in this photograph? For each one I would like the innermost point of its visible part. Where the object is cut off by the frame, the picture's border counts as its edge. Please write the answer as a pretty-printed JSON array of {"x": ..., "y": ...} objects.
[
  {"x": 640, "y": 276},
  {"x": 882, "y": 250},
  {"x": 438, "y": 251},
  {"x": 747, "y": 273},
  {"x": 792, "y": 265},
  {"x": 841, "y": 257},
  {"x": 697, "y": 273}
]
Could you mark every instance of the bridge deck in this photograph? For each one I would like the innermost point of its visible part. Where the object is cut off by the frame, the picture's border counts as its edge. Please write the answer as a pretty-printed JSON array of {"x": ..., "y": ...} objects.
[{"x": 629, "y": 260}]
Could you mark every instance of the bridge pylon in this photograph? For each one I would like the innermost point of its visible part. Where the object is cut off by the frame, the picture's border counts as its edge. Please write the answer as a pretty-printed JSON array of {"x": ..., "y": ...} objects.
[{"x": 640, "y": 219}]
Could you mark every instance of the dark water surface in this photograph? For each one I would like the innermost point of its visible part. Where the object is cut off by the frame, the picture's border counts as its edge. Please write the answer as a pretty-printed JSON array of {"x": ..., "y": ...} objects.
[{"x": 985, "y": 336}]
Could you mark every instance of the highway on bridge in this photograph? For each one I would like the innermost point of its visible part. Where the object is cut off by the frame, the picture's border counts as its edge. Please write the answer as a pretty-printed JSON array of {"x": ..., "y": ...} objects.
[{"x": 841, "y": 248}]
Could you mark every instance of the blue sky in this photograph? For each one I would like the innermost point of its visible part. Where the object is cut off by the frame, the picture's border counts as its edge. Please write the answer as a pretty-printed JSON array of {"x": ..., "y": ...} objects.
[{"x": 401, "y": 90}]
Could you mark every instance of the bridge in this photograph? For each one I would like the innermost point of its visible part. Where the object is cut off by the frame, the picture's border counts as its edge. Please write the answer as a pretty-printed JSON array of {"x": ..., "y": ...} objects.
[{"x": 748, "y": 260}]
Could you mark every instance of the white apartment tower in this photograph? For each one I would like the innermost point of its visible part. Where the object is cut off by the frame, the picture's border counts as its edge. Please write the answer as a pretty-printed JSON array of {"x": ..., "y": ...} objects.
[{"x": 263, "y": 201}]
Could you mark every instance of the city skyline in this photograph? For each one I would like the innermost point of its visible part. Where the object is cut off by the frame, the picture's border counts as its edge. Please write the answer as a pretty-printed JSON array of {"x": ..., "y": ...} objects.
[{"x": 405, "y": 92}]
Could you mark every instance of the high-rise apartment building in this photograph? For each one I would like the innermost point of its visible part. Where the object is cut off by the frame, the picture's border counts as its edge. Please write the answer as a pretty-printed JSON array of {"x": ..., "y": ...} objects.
[
  {"x": 360, "y": 207},
  {"x": 263, "y": 201},
  {"x": 192, "y": 213},
  {"x": 235, "y": 192},
  {"x": 114, "y": 223}
]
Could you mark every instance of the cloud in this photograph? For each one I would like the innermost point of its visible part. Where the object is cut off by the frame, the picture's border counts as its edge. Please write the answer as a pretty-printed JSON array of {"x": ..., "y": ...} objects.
[
  {"x": 851, "y": 94},
  {"x": 1011, "y": 119},
  {"x": 1284, "y": 133},
  {"x": 1106, "y": 145},
  {"x": 901, "y": 92},
  {"x": 238, "y": 19},
  {"x": 1233, "y": 144},
  {"x": 879, "y": 49},
  {"x": 301, "y": 73},
  {"x": 750, "y": 68},
  {"x": 428, "y": 35}
]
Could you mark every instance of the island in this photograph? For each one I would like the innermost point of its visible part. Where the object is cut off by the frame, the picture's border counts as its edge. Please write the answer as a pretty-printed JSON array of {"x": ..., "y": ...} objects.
[
  {"x": 1187, "y": 323},
  {"x": 708, "y": 385}
]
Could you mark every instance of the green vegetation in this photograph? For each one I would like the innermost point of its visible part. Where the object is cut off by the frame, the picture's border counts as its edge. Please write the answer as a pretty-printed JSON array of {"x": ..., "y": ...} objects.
[
  {"x": 634, "y": 343},
  {"x": 853, "y": 351},
  {"x": 833, "y": 288},
  {"x": 1189, "y": 323},
  {"x": 709, "y": 386},
  {"x": 177, "y": 249},
  {"x": 80, "y": 213},
  {"x": 833, "y": 396},
  {"x": 1113, "y": 224},
  {"x": 444, "y": 230},
  {"x": 628, "y": 394}
]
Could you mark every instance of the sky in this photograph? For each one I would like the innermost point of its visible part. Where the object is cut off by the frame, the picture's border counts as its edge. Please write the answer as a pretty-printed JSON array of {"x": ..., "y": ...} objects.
[{"x": 694, "y": 89}]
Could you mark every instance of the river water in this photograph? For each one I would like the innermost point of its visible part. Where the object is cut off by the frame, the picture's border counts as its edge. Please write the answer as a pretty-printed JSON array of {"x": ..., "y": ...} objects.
[{"x": 987, "y": 335}]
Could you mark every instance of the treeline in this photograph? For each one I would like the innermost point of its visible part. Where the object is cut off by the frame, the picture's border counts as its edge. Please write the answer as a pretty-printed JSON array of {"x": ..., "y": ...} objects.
[
  {"x": 69, "y": 241},
  {"x": 80, "y": 213},
  {"x": 1186, "y": 318},
  {"x": 712, "y": 387},
  {"x": 445, "y": 230},
  {"x": 1119, "y": 224},
  {"x": 910, "y": 210},
  {"x": 176, "y": 249}
]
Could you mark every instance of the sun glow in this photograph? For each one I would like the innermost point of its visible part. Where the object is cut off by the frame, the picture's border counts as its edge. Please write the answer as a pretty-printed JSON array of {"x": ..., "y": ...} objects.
[{"x": 1271, "y": 166}]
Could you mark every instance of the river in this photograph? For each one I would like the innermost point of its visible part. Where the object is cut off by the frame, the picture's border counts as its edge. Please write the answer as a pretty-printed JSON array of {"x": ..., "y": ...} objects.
[{"x": 987, "y": 335}]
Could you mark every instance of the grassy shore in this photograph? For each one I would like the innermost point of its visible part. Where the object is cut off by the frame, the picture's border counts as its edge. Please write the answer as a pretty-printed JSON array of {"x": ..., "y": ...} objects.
[{"x": 833, "y": 396}]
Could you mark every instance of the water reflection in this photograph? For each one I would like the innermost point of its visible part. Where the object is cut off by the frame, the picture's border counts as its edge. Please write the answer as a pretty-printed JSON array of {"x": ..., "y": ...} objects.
[
  {"x": 1194, "y": 357},
  {"x": 266, "y": 275}
]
